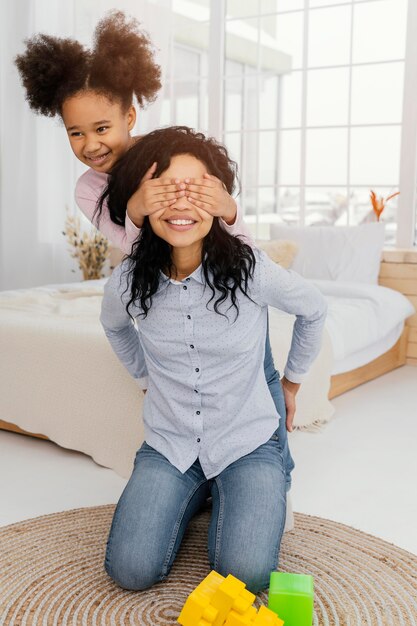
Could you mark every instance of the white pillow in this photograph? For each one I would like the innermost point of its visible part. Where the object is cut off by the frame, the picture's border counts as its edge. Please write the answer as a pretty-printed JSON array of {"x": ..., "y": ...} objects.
[{"x": 348, "y": 253}]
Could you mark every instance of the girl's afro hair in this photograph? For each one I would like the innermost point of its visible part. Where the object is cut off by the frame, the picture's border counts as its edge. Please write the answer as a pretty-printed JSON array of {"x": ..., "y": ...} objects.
[{"x": 120, "y": 64}]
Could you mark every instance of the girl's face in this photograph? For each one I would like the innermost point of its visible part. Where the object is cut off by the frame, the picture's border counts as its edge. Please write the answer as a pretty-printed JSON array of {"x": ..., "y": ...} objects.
[
  {"x": 182, "y": 225},
  {"x": 98, "y": 129}
]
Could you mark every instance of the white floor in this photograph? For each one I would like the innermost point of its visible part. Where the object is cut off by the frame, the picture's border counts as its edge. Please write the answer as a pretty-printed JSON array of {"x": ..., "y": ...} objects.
[{"x": 361, "y": 469}]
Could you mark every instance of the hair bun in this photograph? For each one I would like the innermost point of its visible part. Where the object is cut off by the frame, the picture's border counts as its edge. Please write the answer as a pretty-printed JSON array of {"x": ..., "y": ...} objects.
[
  {"x": 49, "y": 68},
  {"x": 123, "y": 58}
]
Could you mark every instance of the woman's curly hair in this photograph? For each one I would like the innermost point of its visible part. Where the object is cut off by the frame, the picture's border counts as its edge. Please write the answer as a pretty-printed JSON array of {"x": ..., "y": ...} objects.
[
  {"x": 119, "y": 65},
  {"x": 227, "y": 262}
]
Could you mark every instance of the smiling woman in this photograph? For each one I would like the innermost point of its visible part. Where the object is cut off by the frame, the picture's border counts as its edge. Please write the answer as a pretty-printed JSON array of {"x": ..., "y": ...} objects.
[
  {"x": 182, "y": 225},
  {"x": 200, "y": 298},
  {"x": 172, "y": 237},
  {"x": 166, "y": 245}
]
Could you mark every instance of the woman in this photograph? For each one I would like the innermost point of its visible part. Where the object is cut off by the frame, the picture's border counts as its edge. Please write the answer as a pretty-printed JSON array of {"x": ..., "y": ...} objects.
[{"x": 200, "y": 298}]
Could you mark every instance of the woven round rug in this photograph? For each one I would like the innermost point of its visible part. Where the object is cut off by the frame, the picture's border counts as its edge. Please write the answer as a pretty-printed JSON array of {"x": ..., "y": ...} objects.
[{"x": 51, "y": 573}]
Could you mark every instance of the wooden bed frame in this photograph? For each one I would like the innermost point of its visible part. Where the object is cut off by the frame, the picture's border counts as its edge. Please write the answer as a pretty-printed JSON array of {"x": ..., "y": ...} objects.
[{"x": 399, "y": 272}]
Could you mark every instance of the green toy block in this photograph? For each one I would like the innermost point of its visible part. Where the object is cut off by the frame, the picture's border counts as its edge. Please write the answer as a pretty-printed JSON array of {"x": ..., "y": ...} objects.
[{"x": 291, "y": 596}]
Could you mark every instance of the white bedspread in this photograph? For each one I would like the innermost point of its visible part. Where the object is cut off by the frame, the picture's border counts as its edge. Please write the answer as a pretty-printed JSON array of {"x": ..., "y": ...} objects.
[
  {"x": 360, "y": 318},
  {"x": 59, "y": 376}
]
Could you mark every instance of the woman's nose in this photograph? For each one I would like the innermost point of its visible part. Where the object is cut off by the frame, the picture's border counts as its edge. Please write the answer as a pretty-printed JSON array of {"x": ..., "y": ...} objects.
[{"x": 183, "y": 203}]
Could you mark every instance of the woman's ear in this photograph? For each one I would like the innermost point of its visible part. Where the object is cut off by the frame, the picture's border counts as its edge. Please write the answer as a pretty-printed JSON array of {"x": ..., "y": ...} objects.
[{"x": 131, "y": 117}]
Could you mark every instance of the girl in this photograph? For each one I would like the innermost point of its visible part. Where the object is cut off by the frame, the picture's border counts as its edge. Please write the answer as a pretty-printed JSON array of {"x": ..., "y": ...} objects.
[
  {"x": 200, "y": 297},
  {"x": 92, "y": 91}
]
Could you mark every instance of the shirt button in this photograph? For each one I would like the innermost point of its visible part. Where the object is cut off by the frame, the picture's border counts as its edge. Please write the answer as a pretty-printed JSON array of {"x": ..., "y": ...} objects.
[
  {"x": 187, "y": 279},
  {"x": 191, "y": 346},
  {"x": 184, "y": 286},
  {"x": 188, "y": 317},
  {"x": 198, "y": 440},
  {"x": 197, "y": 412},
  {"x": 197, "y": 369}
]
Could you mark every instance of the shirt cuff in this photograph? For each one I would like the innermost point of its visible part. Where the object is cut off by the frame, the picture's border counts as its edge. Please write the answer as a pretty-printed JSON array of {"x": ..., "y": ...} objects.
[
  {"x": 293, "y": 377},
  {"x": 142, "y": 382},
  {"x": 229, "y": 227},
  {"x": 131, "y": 229}
]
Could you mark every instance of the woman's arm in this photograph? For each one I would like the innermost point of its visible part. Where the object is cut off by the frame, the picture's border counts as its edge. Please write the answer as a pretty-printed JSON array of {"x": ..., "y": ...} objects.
[
  {"x": 288, "y": 291},
  {"x": 120, "y": 330}
]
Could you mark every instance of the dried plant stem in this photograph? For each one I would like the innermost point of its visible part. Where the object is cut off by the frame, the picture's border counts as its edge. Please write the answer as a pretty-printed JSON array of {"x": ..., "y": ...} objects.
[{"x": 90, "y": 249}]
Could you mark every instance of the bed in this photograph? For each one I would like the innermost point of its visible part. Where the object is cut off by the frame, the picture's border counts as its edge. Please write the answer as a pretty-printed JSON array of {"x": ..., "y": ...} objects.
[
  {"x": 368, "y": 328},
  {"x": 60, "y": 379},
  {"x": 355, "y": 255}
]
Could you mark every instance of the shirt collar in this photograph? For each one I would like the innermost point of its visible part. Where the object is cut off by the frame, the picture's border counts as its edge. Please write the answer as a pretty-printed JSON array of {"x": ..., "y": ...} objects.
[{"x": 197, "y": 275}]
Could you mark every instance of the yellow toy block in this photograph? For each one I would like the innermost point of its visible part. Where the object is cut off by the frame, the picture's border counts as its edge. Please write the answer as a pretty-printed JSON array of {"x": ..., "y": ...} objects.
[
  {"x": 231, "y": 594},
  {"x": 219, "y": 601},
  {"x": 266, "y": 617},
  {"x": 241, "y": 619},
  {"x": 243, "y": 601},
  {"x": 198, "y": 610}
]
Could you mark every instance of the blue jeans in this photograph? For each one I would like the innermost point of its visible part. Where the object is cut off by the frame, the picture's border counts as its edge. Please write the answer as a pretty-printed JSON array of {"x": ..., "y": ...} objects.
[
  {"x": 246, "y": 525},
  {"x": 276, "y": 391}
]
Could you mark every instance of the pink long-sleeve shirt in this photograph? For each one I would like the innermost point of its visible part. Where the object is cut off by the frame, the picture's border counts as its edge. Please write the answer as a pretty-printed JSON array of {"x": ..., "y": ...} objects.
[{"x": 88, "y": 190}]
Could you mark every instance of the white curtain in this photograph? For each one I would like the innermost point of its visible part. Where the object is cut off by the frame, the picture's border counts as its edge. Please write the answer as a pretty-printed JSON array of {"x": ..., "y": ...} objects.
[{"x": 37, "y": 168}]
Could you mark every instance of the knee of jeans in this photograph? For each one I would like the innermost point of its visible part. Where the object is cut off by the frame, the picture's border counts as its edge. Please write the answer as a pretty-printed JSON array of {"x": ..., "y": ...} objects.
[
  {"x": 132, "y": 573},
  {"x": 255, "y": 576}
]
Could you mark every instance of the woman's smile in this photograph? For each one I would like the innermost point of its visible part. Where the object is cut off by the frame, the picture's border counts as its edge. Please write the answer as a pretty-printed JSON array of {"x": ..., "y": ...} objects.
[{"x": 182, "y": 223}]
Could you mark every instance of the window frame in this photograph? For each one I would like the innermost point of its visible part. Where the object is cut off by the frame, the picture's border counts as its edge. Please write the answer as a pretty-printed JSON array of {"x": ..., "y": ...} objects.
[{"x": 406, "y": 212}]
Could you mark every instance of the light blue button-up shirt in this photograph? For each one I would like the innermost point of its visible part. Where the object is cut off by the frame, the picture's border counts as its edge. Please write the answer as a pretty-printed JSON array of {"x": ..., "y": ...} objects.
[{"x": 207, "y": 395}]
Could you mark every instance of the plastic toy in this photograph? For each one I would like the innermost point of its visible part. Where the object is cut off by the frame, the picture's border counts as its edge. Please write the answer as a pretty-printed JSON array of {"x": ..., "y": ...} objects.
[
  {"x": 219, "y": 601},
  {"x": 264, "y": 617},
  {"x": 291, "y": 596}
]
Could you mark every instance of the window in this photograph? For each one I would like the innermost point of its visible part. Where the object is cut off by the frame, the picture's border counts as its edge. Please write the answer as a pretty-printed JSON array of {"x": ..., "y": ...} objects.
[
  {"x": 311, "y": 103},
  {"x": 185, "y": 86},
  {"x": 316, "y": 93}
]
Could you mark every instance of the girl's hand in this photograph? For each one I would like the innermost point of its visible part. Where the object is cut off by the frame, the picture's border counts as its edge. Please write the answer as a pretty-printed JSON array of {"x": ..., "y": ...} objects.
[
  {"x": 290, "y": 391},
  {"x": 208, "y": 193},
  {"x": 153, "y": 194}
]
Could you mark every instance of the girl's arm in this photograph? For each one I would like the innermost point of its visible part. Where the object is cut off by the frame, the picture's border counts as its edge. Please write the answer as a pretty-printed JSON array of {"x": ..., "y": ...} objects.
[
  {"x": 239, "y": 228},
  {"x": 88, "y": 190},
  {"x": 288, "y": 291},
  {"x": 120, "y": 330}
]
